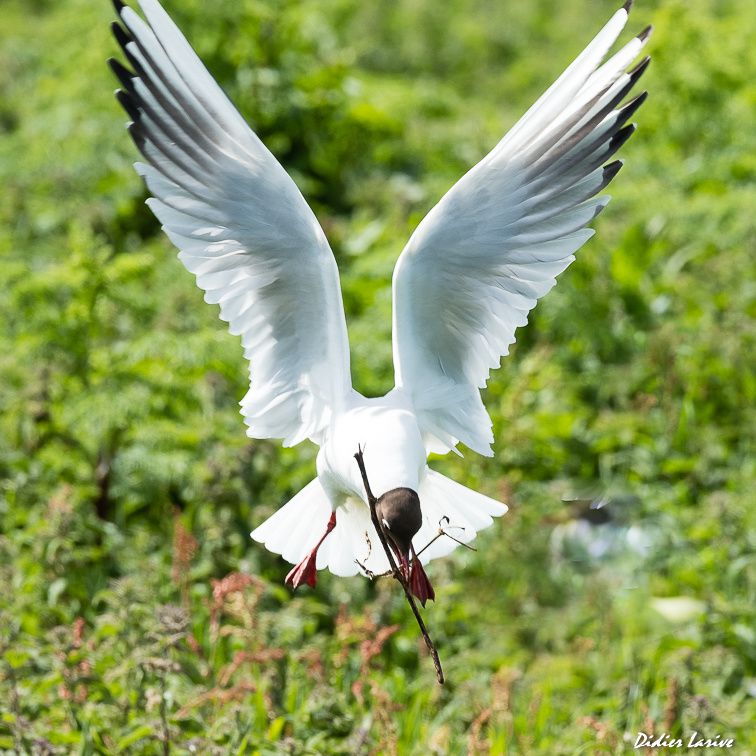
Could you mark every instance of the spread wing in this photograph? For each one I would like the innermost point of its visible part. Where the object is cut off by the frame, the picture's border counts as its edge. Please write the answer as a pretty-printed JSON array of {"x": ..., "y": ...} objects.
[
  {"x": 242, "y": 227},
  {"x": 494, "y": 244}
]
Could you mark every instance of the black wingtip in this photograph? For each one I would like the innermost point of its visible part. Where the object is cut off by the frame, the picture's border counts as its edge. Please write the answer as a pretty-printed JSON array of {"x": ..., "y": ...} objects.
[
  {"x": 637, "y": 72},
  {"x": 611, "y": 170},
  {"x": 626, "y": 7},
  {"x": 122, "y": 73},
  {"x": 119, "y": 6},
  {"x": 122, "y": 36},
  {"x": 626, "y": 112},
  {"x": 646, "y": 33},
  {"x": 629, "y": 109},
  {"x": 128, "y": 104},
  {"x": 137, "y": 135},
  {"x": 621, "y": 137}
]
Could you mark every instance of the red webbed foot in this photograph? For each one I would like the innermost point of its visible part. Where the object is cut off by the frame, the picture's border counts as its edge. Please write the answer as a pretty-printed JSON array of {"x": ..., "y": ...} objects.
[{"x": 305, "y": 571}]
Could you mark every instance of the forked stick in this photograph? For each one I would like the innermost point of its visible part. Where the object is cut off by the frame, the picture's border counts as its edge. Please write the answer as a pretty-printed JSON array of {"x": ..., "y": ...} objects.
[
  {"x": 441, "y": 533},
  {"x": 395, "y": 571}
]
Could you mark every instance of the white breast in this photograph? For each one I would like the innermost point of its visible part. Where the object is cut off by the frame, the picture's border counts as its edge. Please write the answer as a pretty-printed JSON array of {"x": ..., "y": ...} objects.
[{"x": 391, "y": 442}]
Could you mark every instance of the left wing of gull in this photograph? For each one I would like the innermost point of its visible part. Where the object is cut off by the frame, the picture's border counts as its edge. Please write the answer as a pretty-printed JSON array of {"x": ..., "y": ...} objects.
[{"x": 242, "y": 227}]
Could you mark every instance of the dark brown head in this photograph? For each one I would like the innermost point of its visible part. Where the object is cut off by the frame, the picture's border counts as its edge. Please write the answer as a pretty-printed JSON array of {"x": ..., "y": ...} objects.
[{"x": 399, "y": 513}]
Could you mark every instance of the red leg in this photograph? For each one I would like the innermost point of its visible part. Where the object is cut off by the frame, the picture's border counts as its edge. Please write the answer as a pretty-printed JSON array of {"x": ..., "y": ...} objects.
[
  {"x": 305, "y": 571},
  {"x": 419, "y": 583}
]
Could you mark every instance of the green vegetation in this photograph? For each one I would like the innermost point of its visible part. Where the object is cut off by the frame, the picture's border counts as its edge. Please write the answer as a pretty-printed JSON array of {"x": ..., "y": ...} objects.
[{"x": 137, "y": 617}]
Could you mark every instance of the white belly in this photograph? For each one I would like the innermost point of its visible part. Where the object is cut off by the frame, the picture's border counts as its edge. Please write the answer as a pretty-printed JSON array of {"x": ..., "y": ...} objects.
[{"x": 391, "y": 443}]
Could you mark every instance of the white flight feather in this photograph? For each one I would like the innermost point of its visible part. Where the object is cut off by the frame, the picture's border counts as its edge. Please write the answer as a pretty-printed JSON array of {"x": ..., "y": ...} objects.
[
  {"x": 494, "y": 244},
  {"x": 245, "y": 231}
]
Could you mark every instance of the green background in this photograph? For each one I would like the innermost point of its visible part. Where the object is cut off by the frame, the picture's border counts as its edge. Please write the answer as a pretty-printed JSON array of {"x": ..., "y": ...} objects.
[{"x": 128, "y": 487}]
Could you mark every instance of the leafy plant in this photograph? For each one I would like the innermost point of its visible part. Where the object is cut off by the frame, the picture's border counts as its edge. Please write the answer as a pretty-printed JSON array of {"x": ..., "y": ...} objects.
[{"x": 137, "y": 616}]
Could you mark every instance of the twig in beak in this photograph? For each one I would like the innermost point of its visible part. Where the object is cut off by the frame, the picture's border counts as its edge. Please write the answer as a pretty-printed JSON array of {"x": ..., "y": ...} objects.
[{"x": 395, "y": 570}]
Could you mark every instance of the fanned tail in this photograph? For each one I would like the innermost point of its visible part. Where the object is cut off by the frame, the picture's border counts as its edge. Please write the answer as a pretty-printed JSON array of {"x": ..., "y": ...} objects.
[
  {"x": 296, "y": 528},
  {"x": 458, "y": 510}
]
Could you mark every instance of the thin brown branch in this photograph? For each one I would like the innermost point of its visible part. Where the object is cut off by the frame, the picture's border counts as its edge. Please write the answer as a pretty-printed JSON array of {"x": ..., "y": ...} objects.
[
  {"x": 441, "y": 533},
  {"x": 395, "y": 571}
]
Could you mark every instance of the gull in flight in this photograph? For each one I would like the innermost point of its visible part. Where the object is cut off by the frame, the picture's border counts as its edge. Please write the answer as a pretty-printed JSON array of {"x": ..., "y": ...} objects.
[{"x": 466, "y": 280}]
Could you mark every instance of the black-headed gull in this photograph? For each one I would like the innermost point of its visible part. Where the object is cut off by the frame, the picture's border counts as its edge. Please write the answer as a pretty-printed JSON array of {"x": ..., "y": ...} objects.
[{"x": 468, "y": 277}]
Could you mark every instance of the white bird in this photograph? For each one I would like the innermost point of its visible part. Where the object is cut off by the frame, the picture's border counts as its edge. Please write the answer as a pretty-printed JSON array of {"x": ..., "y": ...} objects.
[{"x": 468, "y": 277}]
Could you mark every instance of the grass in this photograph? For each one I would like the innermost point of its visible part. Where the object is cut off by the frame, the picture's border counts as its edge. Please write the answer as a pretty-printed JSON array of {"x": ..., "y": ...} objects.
[{"x": 138, "y": 617}]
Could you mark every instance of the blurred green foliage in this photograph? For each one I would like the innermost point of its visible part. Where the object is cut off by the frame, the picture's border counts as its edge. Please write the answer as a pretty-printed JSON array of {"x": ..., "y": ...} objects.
[{"x": 129, "y": 622}]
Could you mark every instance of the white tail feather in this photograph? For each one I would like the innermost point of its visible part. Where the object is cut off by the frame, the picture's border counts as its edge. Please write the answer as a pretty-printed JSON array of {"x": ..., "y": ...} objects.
[
  {"x": 295, "y": 528},
  {"x": 467, "y": 511}
]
